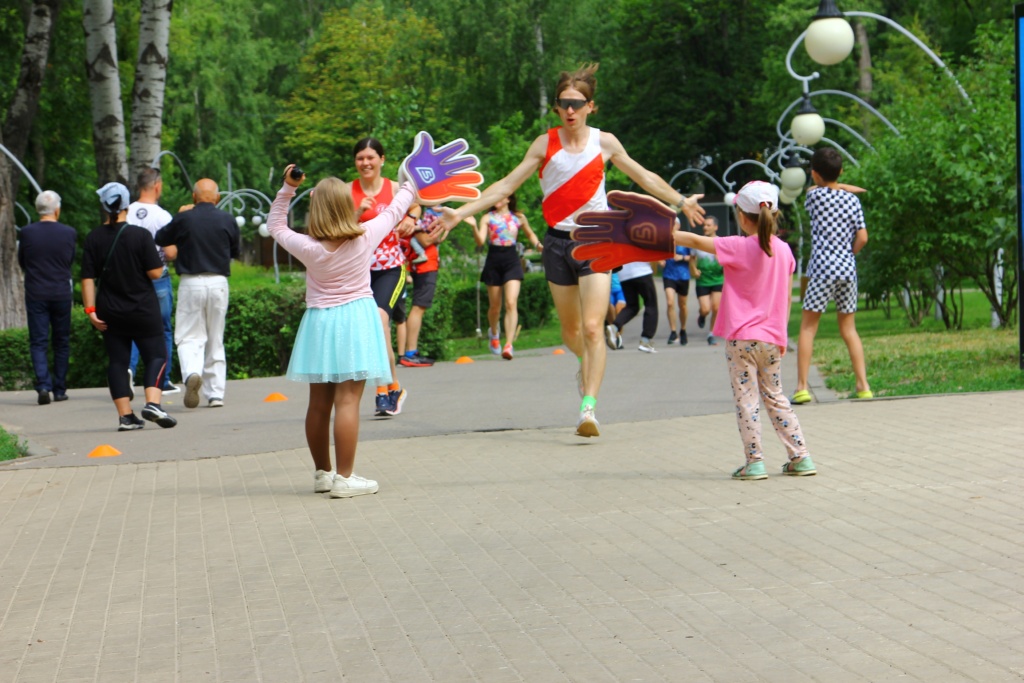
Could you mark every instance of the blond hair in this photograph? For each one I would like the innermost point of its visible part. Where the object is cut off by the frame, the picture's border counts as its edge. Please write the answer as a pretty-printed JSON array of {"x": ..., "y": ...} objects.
[
  {"x": 582, "y": 79},
  {"x": 332, "y": 214}
]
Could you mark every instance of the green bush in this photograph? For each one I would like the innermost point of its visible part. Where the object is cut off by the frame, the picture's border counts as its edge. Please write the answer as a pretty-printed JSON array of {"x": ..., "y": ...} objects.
[
  {"x": 261, "y": 326},
  {"x": 11, "y": 446},
  {"x": 15, "y": 360}
]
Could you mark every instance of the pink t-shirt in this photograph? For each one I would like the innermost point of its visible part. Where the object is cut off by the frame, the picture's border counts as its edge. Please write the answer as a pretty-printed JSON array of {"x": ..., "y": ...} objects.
[
  {"x": 343, "y": 275},
  {"x": 757, "y": 292}
]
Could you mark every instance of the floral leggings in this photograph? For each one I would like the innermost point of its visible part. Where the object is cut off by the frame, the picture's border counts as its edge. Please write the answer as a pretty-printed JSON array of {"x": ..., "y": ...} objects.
[{"x": 755, "y": 369}]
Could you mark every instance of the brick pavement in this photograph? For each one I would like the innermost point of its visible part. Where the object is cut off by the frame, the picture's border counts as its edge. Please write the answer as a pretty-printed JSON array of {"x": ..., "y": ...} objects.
[{"x": 531, "y": 555}]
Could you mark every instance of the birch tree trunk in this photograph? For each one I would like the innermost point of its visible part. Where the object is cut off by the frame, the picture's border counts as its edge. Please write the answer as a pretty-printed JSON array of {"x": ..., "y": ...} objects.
[
  {"x": 104, "y": 91},
  {"x": 542, "y": 90},
  {"x": 12, "y": 287},
  {"x": 34, "y": 54},
  {"x": 150, "y": 83},
  {"x": 865, "y": 83}
]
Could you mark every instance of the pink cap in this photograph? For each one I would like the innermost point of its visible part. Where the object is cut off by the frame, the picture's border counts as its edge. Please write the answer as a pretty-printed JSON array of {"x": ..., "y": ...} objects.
[{"x": 756, "y": 194}]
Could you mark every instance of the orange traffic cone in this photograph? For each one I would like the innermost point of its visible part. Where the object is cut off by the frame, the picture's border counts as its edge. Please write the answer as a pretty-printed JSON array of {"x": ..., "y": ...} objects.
[
  {"x": 274, "y": 397},
  {"x": 104, "y": 451}
]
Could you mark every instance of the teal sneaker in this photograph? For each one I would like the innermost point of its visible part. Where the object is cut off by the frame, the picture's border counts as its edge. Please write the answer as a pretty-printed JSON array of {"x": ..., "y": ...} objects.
[
  {"x": 750, "y": 471},
  {"x": 801, "y": 467}
]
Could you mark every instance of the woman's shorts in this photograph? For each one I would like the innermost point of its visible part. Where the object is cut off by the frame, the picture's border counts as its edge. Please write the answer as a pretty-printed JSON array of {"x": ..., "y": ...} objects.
[
  {"x": 501, "y": 265},
  {"x": 386, "y": 286},
  {"x": 560, "y": 268},
  {"x": 705, "y": 291},
  {"x": 681, "y": 286}
]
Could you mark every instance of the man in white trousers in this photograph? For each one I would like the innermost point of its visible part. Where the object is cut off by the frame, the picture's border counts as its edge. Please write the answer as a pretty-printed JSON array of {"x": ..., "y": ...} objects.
[{"x": 207, "y": 239}]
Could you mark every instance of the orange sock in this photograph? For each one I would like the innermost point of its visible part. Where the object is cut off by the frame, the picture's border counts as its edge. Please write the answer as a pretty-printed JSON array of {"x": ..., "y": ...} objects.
[
  {"x": 394, "y": 386},
  {"x": 382, "y": 390}
]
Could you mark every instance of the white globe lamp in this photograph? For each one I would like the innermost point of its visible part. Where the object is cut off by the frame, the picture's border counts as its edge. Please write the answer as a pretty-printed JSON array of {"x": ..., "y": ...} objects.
[
  {"x": 793, "y": 180},
  {"x": 264, "y": 232},
  {"x": 786, "y": 197},
  {"x": 257, "y": 219},
  {"x": 729, "y": 199},
  {"x": 240, "y": 220},
  {"x": 829, "y": 38},
  {"x": 807, "y": 127}
]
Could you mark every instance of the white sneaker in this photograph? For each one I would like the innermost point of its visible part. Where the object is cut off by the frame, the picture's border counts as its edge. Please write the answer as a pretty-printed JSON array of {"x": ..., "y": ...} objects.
[
  {"x": 588, "y": 425},
  {"x": 323, "y": 481},
  {"x": 610, "y": 333},
  {"x": 352, "y": 486},
  {"x": 646, "y": 346}
]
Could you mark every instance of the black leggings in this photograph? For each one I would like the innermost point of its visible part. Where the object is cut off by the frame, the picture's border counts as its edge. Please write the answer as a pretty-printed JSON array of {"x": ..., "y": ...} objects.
[
  {"x": 635, "y": 289},
  {"x": 119, "y": 350}
]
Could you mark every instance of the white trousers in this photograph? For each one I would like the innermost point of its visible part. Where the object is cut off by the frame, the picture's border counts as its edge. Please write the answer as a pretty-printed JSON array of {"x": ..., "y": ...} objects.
[{"x": 199, "y": 331}]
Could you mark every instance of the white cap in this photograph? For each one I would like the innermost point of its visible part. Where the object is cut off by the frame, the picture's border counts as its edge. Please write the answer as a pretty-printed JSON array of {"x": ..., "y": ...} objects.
[{"x": 756, "y": 194}]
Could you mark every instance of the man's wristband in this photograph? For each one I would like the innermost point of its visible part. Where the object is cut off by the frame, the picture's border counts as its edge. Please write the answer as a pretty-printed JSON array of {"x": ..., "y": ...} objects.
[
  {"x": 90, "y": 309},
  {"x": 679, "y": 206}
]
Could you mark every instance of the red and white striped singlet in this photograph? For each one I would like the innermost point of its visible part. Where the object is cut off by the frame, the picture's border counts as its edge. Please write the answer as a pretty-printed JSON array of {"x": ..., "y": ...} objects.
[{"x": 572, "y": 182}]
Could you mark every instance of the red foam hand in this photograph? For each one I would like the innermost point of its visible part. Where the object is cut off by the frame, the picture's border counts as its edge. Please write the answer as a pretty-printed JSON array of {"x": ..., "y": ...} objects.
[{"x": 640, "y": 230}]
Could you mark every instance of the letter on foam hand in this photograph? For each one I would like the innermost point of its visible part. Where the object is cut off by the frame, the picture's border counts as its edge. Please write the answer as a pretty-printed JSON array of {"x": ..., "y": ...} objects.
[
  {"x": 640, "y": 230},
  {"x": 442, "y": 174}
]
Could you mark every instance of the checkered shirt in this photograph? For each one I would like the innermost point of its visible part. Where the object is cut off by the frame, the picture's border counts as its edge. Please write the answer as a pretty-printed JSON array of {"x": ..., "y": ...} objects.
[{"x": 836, "y": 216}]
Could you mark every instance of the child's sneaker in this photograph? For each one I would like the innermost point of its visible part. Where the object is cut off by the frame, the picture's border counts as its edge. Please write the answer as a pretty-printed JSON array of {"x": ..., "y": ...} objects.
[
  {"x": 383, "y": 405},
  {"x": 347, "y": 487},
  {"x": 323, "y": 481},
  {"x": 588, "y": 425},
  {"x": 395, "y": 400},
  {"x": 751, "y": 471},
  {"x": 506, "y": 352},
  {"x": 712, "y": 341},
  {"x": 801, "y": 467},
  {"x": 800, "y": 397}
]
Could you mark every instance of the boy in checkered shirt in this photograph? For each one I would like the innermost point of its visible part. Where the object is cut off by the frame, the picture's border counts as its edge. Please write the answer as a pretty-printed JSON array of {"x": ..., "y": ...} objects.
[{"x": 837, "y": 234}]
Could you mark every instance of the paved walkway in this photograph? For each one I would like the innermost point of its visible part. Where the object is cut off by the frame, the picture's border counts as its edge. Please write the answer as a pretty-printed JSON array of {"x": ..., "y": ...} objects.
[{"x": 503, "y": 548}]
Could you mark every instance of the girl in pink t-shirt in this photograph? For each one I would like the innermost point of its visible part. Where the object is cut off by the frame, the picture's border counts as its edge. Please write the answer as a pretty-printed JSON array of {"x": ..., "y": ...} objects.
[
  {"x": 340, "y": 342},
  {"x": 752, "y": 318}
]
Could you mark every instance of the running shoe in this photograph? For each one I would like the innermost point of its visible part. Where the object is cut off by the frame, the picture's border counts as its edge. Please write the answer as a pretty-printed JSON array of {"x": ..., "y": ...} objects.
[
  {"x": 646, "y": 346},
  {"x": 154, "y": 413},
  {"x": 751, "y": 471},
  {"x": 416, "y": 361},
  {"x": 588, "y": 425},
  {"x": 712, "y": 341},
  {"x": 506, "y": 352},
  {"x": 192, "y": 385},
  {"x": 323, "y": 481},
  {"x": 395, "y": 400},
  {"x": 865, "y": 394},
  {"x": 171, "y": 389},
  {"x": 683, "y": 341},
  {"x": 494, "y": 341},
  {"x": 129, "y": 423},
  {"x": 700, "y": 320},
  {"x": 672, "y": 337},
  {"x": 383, "y": 405},
  {"x": 347, "y": 487},
  {"x": 611, "y": 336}
]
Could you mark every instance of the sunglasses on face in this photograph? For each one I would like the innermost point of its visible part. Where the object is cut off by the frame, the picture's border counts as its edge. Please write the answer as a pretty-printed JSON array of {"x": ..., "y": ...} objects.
[{"x": 565, "y": 103}]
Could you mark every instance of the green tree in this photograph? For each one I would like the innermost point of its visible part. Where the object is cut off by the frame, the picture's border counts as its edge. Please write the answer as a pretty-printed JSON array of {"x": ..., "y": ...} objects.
[{"x": 368, "y": 73}]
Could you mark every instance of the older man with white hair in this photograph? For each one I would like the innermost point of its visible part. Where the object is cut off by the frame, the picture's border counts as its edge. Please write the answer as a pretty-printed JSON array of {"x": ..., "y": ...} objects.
[{"x": 46, "y": 250}]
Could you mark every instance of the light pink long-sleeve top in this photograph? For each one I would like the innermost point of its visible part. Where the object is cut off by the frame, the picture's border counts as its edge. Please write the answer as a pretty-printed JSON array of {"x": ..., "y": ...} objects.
[{"x": 343, "y": 275}]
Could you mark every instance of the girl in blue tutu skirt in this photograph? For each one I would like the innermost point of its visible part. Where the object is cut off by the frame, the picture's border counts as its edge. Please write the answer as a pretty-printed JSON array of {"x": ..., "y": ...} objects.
[{"x": 340, "y": 344}]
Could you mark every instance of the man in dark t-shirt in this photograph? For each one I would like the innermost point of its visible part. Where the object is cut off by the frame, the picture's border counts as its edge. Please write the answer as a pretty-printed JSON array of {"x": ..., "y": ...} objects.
[
  {"x": 207, "y": 239},
  {"x": 46, "y": 251}
]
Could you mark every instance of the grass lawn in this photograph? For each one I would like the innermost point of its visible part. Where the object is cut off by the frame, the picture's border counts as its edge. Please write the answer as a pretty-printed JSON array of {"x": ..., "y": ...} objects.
[
  {"x": 11, "y": 447},
  {"x": 905, "y": 361}
]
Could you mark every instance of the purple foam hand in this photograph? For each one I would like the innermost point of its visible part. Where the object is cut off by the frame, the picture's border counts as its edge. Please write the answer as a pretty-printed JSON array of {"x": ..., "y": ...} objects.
[
  {"x": 443, "y": 174},
  {"x": 641, "y": 222}
]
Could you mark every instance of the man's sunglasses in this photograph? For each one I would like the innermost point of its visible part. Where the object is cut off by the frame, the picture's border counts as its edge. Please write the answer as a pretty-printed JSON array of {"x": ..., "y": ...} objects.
[{"x": 565, "y": 103}]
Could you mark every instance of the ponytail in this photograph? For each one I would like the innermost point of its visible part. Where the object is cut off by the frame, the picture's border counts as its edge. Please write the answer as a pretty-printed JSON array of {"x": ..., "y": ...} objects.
[
  {"x": 111, "y": 212},
  {"x": 767, "y": 222}
]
